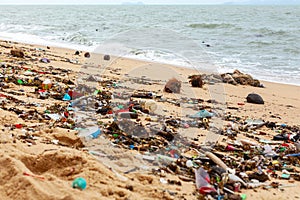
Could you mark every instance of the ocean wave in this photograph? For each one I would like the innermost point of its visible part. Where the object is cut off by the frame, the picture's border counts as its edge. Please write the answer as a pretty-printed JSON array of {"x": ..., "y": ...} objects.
[
  {"x": 210, "y": 26},
  {"x": 294, "y": 50},
  {"x": 260, "y": 43},
  {"x": 22, "y": 27},
  {"x": 37, "y": 40},
  {"x": 266, "y": 31},
  {"x": 77, "y": 38},
  {"x": 159, "y": 56}
]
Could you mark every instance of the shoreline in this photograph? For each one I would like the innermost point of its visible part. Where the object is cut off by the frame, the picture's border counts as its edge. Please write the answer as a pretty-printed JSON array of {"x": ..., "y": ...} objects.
[{"x": 62, "y": 45}]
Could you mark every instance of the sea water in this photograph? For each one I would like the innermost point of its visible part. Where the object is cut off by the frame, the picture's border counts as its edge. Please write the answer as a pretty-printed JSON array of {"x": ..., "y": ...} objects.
[{"x": 261, "y": 40}]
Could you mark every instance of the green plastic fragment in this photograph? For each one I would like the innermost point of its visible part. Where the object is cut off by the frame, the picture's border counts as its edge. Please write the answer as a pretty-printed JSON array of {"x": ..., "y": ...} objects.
[
  {"x": 243, "y": 196},
  {"x": 20, "y": 81},
  {"x": 285, "y": 176},
  {"x": 96, "y": 92},
  {"x": 282, "y": 149},
  {"x": 120, "y": 106}
]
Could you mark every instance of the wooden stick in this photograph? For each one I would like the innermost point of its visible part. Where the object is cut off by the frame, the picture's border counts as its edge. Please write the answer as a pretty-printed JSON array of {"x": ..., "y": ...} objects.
[{"x": 216, "y": 160}]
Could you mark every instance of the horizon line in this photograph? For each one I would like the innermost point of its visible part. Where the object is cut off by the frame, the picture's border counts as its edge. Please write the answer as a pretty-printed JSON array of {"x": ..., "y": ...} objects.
[{"x": 120, "y": 4}]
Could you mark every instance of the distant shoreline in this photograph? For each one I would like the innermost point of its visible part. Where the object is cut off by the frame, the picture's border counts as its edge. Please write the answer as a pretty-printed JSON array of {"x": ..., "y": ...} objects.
[{"x": 79, "y": 4}]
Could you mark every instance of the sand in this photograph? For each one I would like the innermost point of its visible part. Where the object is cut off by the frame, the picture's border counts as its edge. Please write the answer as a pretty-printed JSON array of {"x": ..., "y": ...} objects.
[{"x": 53, "y": 157}]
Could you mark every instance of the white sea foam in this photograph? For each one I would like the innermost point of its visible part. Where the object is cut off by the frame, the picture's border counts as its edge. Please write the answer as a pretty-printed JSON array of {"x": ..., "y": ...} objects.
[{"x": 36, "y": 40}]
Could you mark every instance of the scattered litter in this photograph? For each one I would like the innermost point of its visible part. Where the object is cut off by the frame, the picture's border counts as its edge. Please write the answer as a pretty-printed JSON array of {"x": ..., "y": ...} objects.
[{"x": 79, "y": 183}]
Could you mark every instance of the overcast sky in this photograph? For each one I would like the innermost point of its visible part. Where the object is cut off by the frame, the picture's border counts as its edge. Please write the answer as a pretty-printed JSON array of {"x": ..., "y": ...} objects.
[{"x": 115, "y": 1}]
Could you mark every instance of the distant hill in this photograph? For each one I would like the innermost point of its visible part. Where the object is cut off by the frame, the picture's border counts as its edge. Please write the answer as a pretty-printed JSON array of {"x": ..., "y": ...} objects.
[
  {"x": 133, "y": 3},
  {"x": 265, "y": 2}
]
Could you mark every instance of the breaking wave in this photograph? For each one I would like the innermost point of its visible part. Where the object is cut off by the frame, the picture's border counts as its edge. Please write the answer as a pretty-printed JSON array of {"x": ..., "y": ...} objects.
[{"x": 210, "y": 26}]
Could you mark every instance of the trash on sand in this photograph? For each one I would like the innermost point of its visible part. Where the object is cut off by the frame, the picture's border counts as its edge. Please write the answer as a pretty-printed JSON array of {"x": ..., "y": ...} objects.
[
  {"x": 202, "y": 114},
  {"x": 90, "y": 132},
  {"x": 66, "y": 97},
  {"x": 55, "y": 117},
  {"x": 34, "y": 176},
  {"x": 47, "y": 84},
  {"x": 79, "y": 183},
  {"x": 203, "y": 182}
]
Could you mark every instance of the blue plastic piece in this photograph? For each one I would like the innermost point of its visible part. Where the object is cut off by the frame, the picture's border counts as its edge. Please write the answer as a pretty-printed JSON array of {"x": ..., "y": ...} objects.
[
  {"x": 293, "y": 155},
  {"x": 79, "y": 183},
  {"x": 283, "y": 125},
  {"x": 67, "y": 97},
  {"x": 96, "y": 134},
  {"x": 202, "y": 114}
]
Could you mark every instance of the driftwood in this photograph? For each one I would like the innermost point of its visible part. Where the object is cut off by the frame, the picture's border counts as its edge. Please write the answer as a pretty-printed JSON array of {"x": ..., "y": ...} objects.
[{"x": 217, "y": 160}]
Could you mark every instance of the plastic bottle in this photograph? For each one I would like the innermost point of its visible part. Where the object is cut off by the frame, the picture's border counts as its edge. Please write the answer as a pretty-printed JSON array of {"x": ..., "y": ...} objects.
[
  {"x": 151, "y": 105},
  {"x": 203, "y": 181},
  {"x": 202, "y": 178}
]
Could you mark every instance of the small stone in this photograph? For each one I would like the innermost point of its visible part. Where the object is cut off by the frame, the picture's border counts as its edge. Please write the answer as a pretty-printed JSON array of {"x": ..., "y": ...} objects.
[
  {"x": 255, "y": 98},
  {"x": 173, "y": 86},
  {"x": 106, "y": 57},
  {"x": 129, "y": 187},
  {"x": 87, "y": 55}
]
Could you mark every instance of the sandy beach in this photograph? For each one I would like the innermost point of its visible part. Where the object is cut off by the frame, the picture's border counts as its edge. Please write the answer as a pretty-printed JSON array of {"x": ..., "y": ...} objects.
[{"x": 42, "y": 155}]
